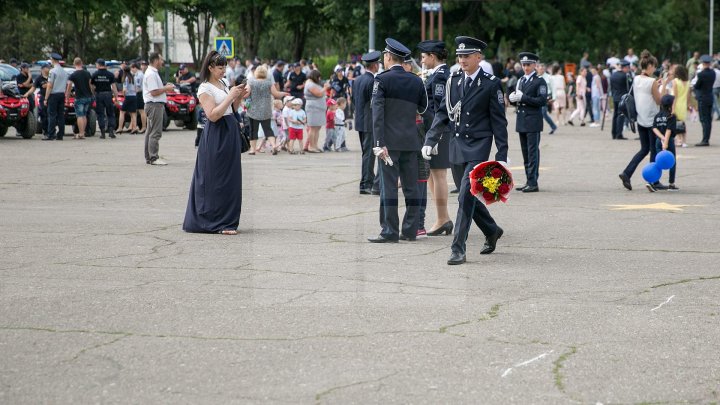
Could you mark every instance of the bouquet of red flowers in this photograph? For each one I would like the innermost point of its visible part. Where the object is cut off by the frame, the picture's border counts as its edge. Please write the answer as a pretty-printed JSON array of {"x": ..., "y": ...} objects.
[{"x": 491, "y": 182}]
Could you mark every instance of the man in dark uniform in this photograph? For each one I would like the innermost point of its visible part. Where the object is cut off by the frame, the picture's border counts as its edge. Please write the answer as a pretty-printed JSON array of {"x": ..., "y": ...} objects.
[
  {"x": 41, "y": 83},
  {"x": 362, "y": 95},
  {"x": 530, "y": 95},
  {"x": 397, "y": 98},
  {"x": 25, "y": 84},
  {"x": 103, "y": 82},
  {"x": 296, "y": 82},
  {"x": 703, "y": 89},
  {"x": 620, "y": 84},
  {"x": 474, "y": 105}
]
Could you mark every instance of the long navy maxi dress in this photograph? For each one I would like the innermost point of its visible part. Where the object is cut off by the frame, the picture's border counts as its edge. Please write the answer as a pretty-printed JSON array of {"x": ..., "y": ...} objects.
[{"x": 215, "y": 198}]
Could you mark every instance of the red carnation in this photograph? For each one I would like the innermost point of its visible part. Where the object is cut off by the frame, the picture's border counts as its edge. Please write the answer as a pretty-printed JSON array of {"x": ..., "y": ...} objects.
[
  {"x": 476, "y": 188},
  {"x": 504, "y": 189},
  {"x": 496, "y": 173},
  {"x": 488, "y": 196}
]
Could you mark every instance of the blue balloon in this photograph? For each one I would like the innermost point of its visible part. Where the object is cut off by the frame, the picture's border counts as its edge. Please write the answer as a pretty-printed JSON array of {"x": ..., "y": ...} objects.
[
  {"x": 651, "y": 173},
  {"x": 665, "y": 160}
]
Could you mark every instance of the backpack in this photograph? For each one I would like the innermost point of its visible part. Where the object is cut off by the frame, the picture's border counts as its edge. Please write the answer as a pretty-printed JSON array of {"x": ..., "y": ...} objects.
[{"x": 626, "y": 107}]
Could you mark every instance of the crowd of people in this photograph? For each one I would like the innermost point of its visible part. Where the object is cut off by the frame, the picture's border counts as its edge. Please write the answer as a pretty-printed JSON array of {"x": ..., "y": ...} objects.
[{"x": 410, "y": 118}]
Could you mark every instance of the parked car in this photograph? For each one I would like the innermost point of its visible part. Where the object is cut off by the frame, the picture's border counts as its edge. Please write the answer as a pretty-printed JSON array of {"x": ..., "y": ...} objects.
[{"x": 14, "y": 109}]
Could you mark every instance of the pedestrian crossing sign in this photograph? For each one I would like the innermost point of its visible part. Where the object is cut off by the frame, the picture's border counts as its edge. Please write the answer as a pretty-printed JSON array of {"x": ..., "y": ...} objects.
[{"x": 225, "y": 46}]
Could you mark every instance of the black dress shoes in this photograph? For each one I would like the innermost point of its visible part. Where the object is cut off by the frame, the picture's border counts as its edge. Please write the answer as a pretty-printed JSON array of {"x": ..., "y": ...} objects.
[
  {"x": 456, "y": 258},
  {"x": 365, "y": 191},
  {"x": 702, "y": 144},
  {"x": 621, "y": 138},
  {"x": 520, "y": 188},
  {"x": 375, "y": 192},
  {"x": 491, "y": 241},
  {"x": 381, "y": 239},
  {"x": 530, "y": 189},
  {"x": 408, "y": 238},
  {"x": 455, "y": 191}
]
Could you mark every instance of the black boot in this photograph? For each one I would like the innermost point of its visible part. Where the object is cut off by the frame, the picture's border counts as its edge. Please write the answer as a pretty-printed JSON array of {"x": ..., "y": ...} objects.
[{"x": 112, "y": 134}]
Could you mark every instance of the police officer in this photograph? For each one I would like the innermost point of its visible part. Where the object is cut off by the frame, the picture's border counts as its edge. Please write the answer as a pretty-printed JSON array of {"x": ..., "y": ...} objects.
[
  {"x": 434, "y": 56},
  {"x": 55, "y": 99},
  {"x": 41, "y": 83},
  {"x": 620, "y": 84},
  {"x": 529, "y": 95},
  {"x": 703, "y": 88},
  {"x": 362, "y": 95},
  {"x": 474, "y": 106},
  {"x": 103, "y": 81},
  {"x": 397, "y": 98}
]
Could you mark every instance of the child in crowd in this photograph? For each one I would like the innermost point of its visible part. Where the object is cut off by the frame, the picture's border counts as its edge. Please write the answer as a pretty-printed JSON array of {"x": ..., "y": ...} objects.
[
  {"x": 340, "y": 125},
  {"x": 287, "y": 108},
  {"x": 297, "y": 119},
  {"x": 202, "y": 120},
  {"x": 278, "y": 124},
  {"x": 330, "y": 124},
  {"x": 664, "y": 129}
]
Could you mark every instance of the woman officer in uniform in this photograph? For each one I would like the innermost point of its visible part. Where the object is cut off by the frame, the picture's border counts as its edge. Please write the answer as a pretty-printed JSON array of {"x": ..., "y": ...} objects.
[{"x": 434, "y": 56}]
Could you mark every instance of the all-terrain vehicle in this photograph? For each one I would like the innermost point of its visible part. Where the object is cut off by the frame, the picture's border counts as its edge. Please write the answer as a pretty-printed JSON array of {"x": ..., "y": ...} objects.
[
  {"x": 180, "y": 107},
  {"x": 14, "y": 109}
]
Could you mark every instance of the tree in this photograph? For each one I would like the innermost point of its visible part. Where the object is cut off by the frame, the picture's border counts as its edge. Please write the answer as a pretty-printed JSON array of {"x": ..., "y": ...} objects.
[{"x": 199, "y": 18}]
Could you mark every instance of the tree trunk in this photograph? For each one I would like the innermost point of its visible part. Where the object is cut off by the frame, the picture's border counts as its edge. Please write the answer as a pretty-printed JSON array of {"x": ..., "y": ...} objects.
[
  {"x": 301, "y": 32},
  {"x": 144, "y": 37},
  {"x": 251, "y": 25},
  {"x": 190, "y": 26},
  {"x": 205, "y": 45}
]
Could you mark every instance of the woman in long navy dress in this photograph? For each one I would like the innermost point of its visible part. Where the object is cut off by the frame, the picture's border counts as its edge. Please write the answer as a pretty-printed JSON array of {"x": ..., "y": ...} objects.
[{"x": 215, "y": 198}]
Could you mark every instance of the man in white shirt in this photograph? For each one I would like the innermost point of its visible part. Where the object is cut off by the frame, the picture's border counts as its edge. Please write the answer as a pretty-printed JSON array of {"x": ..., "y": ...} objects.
[
  {"x": 631, "y": 57},
  {"x": 155, "y": 97},
  {"x": 541, "y": 72}
]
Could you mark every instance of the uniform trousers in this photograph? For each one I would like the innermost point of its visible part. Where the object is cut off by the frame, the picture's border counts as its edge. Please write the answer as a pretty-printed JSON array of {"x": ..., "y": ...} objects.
[
  {"x": 618, "y": 121},
  {"x": 42, "y": 112},
  {"x": 470, "y": 209},
  {"x": 155, "y": 112},
  {"x": 530, "y": 145},
  {"x": 56, "y": 115},
  {"x": 105, "y": 111},
  {"x": 367, "y": 177},
  {"x": 705, "y": 110},
  {"x": 405, "y": 167}
]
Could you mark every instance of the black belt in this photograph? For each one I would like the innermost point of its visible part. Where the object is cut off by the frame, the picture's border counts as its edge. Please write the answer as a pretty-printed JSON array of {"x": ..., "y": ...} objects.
[
  {"x": 154, "y": 102},
  {"x": 104, "y": 92},
  {"x": 339, "y": 125}
]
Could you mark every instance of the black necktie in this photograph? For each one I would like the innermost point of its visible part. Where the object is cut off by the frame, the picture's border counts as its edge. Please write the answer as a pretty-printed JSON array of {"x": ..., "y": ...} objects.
[
  {"x": 522, "y": 83},
  {"x": 468, "y": 83}
]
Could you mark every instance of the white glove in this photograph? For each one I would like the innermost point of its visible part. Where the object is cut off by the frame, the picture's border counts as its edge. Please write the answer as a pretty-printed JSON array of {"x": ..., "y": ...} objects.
[
  {"x": 518, "y": 95},
  {"x": 512, "y": 97},
  {"x": 426, "y": 152},
  {"x": 435, "y": 149}
]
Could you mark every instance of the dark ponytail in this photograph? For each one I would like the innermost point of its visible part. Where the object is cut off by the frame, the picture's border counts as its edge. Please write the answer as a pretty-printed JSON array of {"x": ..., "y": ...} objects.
[{"x": 647, "y": 59}]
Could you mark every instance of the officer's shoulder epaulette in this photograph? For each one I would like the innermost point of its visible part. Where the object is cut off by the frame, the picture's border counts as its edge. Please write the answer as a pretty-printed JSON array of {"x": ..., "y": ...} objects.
[
  {"x": 382, "y": 73},
  {"x": 440, "y": 70},
  {"x": 456, "y": 73},
  {"x": 489, "y": 76}
]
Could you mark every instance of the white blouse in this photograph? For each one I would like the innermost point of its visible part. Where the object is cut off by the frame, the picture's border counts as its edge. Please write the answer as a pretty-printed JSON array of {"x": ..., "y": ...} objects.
[
  {"x": 217, "y": 94},
  {"x": 644, "y": 101}
]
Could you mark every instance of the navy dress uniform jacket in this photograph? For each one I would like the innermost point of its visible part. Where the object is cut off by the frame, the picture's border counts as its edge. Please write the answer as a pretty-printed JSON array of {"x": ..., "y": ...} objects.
[
  {"x": 362, "y": 95},
  {"x": 482, "y": 115},
  {"x": 620, "y": 84},
  {"x": 435, "y": 88},
  {"x": 529, "y": 108},
  {"x": 398, "y": 96},
  {"x": 704, "y": 85}
]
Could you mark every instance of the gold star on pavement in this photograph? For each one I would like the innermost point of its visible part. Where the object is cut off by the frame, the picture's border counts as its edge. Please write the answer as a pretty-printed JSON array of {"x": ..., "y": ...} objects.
[{"x": 651, "y": 207}]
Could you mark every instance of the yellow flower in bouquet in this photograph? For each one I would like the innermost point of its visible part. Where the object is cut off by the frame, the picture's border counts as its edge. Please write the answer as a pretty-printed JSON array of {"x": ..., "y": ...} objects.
[{"x": 491, "y": 184}]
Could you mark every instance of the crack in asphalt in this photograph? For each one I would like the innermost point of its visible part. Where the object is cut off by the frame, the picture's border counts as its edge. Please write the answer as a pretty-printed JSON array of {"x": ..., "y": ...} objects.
[
  {"x": 320, "y": 395},
  {"x": 687, "y": 280},
  {"x": 93, "y": 347}
]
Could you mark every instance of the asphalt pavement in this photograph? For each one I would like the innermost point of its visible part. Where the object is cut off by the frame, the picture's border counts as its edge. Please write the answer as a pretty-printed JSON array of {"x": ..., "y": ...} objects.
[{"x": 594, "y": 295}]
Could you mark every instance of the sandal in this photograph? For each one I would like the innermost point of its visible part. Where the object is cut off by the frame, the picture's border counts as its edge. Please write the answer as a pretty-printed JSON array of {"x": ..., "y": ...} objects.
[{"x": 228, "y": 232}]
